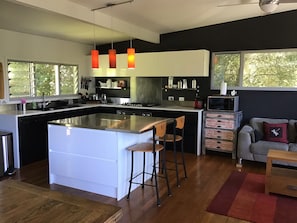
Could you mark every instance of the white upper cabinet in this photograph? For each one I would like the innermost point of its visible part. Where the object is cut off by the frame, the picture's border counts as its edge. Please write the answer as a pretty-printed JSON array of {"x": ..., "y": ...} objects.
[{"x": 156, "y": 64}]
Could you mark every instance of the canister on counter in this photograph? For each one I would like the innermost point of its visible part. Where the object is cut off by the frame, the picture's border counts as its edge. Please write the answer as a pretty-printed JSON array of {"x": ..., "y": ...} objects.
[{"x": 194, "y": 84}]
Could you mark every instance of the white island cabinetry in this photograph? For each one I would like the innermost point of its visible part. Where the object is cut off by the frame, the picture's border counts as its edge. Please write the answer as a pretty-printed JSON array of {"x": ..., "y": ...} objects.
[{"x": 94, "y": 160}]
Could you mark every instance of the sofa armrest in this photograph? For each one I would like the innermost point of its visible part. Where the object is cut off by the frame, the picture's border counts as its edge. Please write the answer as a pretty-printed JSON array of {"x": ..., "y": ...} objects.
[{"x": 246, "y": 137}]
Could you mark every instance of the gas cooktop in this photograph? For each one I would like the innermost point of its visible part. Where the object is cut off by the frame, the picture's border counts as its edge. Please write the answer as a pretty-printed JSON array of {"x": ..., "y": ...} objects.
[{"x": 138, "y": 104}]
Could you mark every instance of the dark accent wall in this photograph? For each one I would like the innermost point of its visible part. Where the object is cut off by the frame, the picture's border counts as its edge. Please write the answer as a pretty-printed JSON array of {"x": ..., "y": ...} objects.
[{"x": 275, "y": 31}]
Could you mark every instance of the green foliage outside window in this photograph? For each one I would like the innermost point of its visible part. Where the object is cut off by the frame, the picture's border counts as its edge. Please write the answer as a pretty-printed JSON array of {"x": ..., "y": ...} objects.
[
  {"x": 257, "y": 69},
  {"x": 226, "y": 68},
  {"x": 29, "y": 79}
]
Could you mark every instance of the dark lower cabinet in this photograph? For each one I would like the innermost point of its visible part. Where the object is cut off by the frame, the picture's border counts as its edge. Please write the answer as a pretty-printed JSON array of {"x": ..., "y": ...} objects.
[
  {"x": 191, "y": 124},
  {"x": 33, "y": 134},
  {"x": 32, "y": 139},
  {"x": 190, "y": 130}
]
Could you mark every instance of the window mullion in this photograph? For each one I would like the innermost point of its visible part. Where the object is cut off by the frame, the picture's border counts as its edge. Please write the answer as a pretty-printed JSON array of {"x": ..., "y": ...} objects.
[
  {"x": 32, "y": 80},
  {"x": 241, "y": 68},
  {"x": 57, "y": 79}
]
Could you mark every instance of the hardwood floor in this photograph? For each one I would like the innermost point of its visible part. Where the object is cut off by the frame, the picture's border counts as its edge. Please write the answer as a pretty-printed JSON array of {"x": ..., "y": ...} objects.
[{"x": 206, "y": 174}]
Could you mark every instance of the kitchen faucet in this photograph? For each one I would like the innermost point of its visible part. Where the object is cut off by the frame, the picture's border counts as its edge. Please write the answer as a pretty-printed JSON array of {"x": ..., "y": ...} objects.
[{"x": 44, "y": 103}]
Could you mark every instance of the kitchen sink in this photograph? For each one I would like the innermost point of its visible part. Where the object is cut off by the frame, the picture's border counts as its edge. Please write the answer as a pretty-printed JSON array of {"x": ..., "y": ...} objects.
[{"x": 51, "y": 108}]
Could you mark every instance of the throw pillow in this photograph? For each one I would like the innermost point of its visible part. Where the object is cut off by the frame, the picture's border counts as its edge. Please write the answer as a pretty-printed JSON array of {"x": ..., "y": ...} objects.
[{"x": 275, "y": 132}]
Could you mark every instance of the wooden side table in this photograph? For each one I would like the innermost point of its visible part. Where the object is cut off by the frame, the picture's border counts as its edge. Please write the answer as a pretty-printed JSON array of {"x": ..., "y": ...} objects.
[{"x": 281, "y": 179}]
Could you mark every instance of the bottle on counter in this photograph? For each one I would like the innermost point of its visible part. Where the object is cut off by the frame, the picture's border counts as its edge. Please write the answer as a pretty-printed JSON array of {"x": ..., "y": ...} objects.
[{"x": 198, "y": 103}]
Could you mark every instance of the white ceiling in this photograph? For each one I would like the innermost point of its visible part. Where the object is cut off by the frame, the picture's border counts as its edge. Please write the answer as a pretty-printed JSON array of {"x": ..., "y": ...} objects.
[{"x": 141, "y": 19}]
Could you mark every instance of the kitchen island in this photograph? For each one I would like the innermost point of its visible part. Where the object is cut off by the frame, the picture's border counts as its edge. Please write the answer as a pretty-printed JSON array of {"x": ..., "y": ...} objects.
[{"x": 90, "y": 152}]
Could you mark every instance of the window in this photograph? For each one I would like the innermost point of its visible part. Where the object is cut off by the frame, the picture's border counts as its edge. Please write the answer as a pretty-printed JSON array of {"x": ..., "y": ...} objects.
[
  {"x": 33, "y": 79},
  {"x": 270, "y": 69}
]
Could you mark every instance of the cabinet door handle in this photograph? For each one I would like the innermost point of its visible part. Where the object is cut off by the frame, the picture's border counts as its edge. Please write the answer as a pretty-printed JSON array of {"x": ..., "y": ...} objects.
[{"x": 292, "y": 187}]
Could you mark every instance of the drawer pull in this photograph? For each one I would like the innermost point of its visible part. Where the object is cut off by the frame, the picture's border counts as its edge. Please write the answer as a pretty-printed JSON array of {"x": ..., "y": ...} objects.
[
  {"x": 219, "y": 142},
  {"x": 219, "y": 137},
  {"x": 219, "y": 121},
  {"x": 219, "y": 131},
  {"x": 292, "y": 187},
  {"x": 218, "y": 147},
  {"x": 219, "y": 126}
]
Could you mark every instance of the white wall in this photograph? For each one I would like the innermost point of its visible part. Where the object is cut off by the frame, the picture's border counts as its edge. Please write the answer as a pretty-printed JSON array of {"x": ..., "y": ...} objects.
[{"x": 21, "y": 46}]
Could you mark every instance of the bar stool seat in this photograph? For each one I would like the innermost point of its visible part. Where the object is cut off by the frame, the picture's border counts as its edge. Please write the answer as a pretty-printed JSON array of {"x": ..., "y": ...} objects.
[
  {"x": 178, "y": 127},
  {"x": 159, "y": 130}
]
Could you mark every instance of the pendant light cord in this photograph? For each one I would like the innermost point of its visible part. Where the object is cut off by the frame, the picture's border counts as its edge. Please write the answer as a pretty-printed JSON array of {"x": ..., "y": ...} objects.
[{"x": 94, "y": 46}]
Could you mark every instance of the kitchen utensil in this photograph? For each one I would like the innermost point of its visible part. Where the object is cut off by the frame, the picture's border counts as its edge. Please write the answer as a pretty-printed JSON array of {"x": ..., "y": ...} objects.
[{"x": 170, "y": 82}]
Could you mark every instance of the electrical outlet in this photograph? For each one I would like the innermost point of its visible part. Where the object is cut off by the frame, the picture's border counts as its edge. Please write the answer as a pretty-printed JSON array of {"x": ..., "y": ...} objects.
[
  {"x": 170, "y": 98},
  {"x": 181, "y": 98}
]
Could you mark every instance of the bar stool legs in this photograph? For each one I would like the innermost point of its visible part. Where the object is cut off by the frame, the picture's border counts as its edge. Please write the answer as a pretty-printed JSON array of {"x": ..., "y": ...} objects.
[
  {"x": 154, "y": 175},
  {"x": 158, "y": 130},
  {"x": 174, "y": 139}
]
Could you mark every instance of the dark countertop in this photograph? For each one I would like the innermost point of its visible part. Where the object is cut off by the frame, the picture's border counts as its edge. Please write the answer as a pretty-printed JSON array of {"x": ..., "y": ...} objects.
[
  {"x": 28, "y": 112},
  {"x": 111, "y": 122}
]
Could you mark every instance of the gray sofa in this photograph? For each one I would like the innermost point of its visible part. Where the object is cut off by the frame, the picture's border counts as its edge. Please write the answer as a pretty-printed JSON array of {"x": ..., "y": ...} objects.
[{"x": 252, "y": 145}]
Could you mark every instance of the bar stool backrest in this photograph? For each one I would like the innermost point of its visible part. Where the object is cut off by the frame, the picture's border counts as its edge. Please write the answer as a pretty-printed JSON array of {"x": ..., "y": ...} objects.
[
  {"x": 180, "y": 122},
  {"x": 160, "y": 129}
]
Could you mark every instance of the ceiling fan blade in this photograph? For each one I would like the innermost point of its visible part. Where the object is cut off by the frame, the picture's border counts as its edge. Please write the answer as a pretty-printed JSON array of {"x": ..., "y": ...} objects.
[
  {"x": 287, "y": 1},
  {"x": 238, "y": 2}
]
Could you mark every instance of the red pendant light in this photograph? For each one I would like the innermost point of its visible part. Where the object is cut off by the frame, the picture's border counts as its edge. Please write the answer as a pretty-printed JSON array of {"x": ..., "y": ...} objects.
[
  {"x": 112, "y": 58},
  {"x": 95, "y": 58},
  {"x": 131, "y": 58}
]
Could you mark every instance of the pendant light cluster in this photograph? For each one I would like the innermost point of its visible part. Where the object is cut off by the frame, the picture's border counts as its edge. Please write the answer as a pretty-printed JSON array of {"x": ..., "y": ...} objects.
[{"x": 112, "y": 52}]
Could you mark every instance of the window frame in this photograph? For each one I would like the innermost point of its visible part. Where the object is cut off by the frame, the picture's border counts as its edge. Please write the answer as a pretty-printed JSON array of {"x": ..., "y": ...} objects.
[
  {"x": 48, "y": 97},
  {"x": 242, "y": 53}
]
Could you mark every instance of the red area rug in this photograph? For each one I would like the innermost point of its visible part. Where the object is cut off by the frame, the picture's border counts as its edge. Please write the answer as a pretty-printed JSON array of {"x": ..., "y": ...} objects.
[{"x": 243, "y": 196}]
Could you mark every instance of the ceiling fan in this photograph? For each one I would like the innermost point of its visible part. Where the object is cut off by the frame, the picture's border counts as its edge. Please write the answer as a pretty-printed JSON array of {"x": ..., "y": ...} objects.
[{"x": 267, "y": 6}]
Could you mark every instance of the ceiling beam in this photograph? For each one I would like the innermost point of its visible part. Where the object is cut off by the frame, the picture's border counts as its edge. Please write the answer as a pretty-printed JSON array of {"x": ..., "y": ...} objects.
[{"x": 78, "y": 12}]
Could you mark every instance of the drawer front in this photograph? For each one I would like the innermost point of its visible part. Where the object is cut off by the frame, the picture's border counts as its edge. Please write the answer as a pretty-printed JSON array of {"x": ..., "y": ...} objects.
[
  {"x": 219, "y": 144},
  {"x": 283, "y": 185},
  {"x": 219, "y": 123},
  {"x": 219, "y": 134},
  {"x": 219, "y": 115}
]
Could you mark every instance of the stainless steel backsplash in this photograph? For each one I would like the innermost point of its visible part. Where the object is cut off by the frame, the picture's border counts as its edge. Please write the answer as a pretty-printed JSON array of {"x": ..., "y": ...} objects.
[{"x": 149, "y": 90}]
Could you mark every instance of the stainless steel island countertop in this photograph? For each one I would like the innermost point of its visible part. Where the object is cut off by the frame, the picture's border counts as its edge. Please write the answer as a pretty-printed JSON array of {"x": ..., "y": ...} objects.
[{"x": 111, "y": 122}]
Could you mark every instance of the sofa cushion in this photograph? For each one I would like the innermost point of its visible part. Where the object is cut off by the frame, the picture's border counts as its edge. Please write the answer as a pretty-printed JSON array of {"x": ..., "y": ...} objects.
[
  {"x": 292, "y": 131},
  {"x": 293, "y": 147},
  {"x": 262, "y": 147},
  {"x": 275, "y": 132}
]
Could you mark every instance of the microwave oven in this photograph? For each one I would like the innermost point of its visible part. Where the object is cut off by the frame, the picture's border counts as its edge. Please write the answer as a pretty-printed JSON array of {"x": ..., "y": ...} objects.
[{"x": 222, "y": 103}]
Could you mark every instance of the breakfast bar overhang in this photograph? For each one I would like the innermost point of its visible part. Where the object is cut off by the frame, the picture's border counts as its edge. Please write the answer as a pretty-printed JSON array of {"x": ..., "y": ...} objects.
[{"x": 90, "y": 152}]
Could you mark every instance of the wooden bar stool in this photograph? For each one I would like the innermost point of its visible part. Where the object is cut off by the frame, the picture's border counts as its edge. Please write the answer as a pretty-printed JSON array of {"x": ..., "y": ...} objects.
[
  {"x": 177, "y": 136},
  {"x": 159, "y": 130}
]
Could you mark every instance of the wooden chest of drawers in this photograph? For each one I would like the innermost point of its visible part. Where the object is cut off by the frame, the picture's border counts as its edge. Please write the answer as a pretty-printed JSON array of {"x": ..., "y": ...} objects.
[{"x": 220, "y": 131}]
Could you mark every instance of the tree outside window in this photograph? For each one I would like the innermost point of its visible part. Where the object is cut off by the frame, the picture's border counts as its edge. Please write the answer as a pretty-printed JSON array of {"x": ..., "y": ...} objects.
[
  {"x": 255, "y": 69},
  {"x": 32, "y": 79}
]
